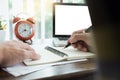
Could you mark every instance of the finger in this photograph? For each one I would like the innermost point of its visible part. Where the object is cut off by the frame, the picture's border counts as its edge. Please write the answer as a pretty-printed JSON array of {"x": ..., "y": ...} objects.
[
  {"x": 78, "y": 32},
  {"x": 73, "y": 39},
  {"x": 75, "y": 45},
  {"x": 24, "y": 45},
  {"x": 82, "y": 48},
  {"x": 32, "y": 55},
  {"x": 28, "y": 47}
]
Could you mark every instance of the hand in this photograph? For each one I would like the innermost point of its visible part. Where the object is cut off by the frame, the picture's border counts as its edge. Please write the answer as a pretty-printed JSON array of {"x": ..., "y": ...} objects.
[
  {"x": 80, "y": 35},
  {"x": 13, "y": 52}
]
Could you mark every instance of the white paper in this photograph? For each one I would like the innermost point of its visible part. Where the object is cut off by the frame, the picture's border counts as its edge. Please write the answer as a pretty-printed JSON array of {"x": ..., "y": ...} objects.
[
  {"x": 50, "y": 57},
  {"x": 74, "y": 53},
  {"x": 68, "y": 62},
  {"x": 21, "y": 69}
]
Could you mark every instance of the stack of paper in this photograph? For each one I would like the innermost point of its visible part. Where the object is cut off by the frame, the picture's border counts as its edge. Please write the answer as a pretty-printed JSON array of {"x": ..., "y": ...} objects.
[
  {"x": 56, "y": 55},
  {"x": 21, "y": 69}
]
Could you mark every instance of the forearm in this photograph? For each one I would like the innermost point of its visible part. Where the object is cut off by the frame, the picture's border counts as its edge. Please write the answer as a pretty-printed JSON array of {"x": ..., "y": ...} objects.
[{"x": 91, "y": 42}]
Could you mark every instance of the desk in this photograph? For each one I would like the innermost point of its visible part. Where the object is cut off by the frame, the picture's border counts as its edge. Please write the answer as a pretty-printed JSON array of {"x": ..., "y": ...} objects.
[{"x": 70, "y": 71}]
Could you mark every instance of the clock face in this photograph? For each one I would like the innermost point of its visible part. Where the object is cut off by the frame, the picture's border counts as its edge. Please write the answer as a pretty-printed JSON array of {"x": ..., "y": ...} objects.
[{"x": 25, "y": 30}]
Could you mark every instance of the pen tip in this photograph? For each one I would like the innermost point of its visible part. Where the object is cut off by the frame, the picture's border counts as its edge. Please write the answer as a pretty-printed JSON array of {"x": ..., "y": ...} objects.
[{"x": 64, "y": 47}]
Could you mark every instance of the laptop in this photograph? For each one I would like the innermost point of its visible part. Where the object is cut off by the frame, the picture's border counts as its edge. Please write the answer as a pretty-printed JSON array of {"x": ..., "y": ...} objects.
[{"x": 67, "y": 18}]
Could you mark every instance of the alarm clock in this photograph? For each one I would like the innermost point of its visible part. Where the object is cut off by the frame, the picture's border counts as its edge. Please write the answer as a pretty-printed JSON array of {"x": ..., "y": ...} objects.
[{"x": 24, "y": 29}]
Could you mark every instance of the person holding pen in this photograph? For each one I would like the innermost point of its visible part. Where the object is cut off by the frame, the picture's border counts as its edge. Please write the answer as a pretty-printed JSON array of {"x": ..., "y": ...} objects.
[
  {"x": 81, "y": 39},
  {"x": 13, "y": 52}
]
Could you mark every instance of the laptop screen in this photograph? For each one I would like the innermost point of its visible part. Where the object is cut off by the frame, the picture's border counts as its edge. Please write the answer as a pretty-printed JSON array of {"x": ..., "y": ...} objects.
[{"x": 69, "y": 17}]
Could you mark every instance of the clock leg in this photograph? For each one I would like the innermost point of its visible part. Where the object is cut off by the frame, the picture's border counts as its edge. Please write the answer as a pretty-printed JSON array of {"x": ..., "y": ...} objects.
[{"x": 28, "y": 42}]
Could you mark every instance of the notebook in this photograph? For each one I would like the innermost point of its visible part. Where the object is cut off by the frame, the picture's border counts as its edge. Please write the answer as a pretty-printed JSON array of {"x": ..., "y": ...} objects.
[{"x": 51, "y": 54}]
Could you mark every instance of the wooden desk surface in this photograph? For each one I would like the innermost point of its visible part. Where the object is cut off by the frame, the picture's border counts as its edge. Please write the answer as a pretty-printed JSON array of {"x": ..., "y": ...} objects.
[{"x": 60, "y": 72}]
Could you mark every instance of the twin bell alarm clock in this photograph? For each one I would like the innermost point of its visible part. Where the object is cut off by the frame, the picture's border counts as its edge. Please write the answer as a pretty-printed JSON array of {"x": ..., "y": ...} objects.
[{"x": 24, "y": 29}]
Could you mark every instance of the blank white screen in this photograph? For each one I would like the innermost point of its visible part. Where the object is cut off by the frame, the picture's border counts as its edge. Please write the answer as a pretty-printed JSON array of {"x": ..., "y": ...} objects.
[{"x": 69, "y": 18}]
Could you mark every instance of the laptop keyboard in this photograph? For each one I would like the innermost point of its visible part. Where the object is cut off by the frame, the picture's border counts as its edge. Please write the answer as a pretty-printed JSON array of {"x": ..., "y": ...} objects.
[{"x": 63, "y": 38}]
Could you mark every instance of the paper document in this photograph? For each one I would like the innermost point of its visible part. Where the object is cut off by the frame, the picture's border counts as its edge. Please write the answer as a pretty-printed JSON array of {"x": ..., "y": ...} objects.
[
  {"x": 75, "y": 53},
  {"x": 21, "y": 69},
  {"x": 56, "y": 54}
]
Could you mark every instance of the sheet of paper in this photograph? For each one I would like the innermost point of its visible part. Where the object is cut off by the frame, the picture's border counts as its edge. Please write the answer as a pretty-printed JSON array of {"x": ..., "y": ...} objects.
[
  {"x": 50, "y": 57},
  {"x": 46, "y": 57},
  {"x": 21, "y": 69},
  {"x": 74, "y": 53},
  {"x": 68, "y": 62}
]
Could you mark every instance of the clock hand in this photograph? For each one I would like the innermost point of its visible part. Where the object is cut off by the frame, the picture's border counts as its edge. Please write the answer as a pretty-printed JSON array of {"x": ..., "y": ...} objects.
[{"x": 23, "y": 31}]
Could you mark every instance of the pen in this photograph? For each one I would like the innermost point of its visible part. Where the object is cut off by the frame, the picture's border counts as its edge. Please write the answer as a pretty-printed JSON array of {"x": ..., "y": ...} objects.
[
  {"x": 78, "y": 42},
  {"x": 69, "y": 44}
]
